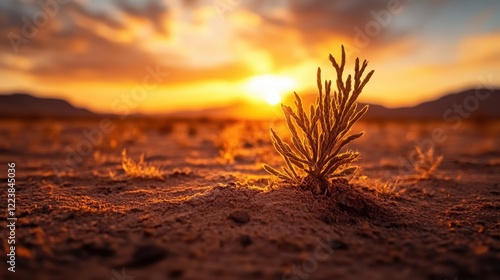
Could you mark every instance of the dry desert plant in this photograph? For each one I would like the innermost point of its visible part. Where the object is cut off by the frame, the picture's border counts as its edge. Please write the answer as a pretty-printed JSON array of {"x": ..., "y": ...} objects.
[
  {"x": 314, "y": 158},
  {"x": 391, "y": 189},
  {"x": 229, "y": 143},
  {"x": 427, "y": 163},
  {"x": 139, "y": 169}
]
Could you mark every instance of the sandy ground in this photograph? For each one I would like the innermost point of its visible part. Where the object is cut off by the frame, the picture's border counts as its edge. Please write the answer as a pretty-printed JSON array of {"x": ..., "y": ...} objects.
[{"x": 216, "y": 214}]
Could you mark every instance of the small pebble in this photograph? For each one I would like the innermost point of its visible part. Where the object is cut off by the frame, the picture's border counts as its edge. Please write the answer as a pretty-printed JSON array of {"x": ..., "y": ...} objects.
[
  {"x": 145, "y": 255},
  {"x": 245, "y": 240},
  {"x": 239, "y": 216},
  {"x": 339, "y": 245}
]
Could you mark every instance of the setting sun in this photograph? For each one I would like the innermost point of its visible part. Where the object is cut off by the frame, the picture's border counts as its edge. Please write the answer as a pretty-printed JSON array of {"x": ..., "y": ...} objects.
[
  {"x": 273, "y": 98},
  {"x": 269, "y": 88}
]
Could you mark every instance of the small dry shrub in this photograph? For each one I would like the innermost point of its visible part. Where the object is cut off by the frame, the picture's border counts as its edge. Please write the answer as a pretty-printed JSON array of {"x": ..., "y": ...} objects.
[
  {"x": 382, "y": 188},
  {"x": 427, "y": 163},
  {"x": 140, "y": 169},
  {"x": 100, "y": 158},
  {"x": 229, "y": 143},
  {"x": 314, "y": 157}
]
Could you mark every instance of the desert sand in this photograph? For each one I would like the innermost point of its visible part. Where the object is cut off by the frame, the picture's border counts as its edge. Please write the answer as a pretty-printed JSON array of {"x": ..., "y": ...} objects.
[{"x": 216, "y": 214}]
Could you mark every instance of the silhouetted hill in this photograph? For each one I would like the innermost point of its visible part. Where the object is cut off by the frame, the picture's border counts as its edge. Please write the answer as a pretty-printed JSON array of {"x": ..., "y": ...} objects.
[
  {"x": 469, "y": 100},
  {"x": 22, "y": 104},
  {"x": 487, "y": 108},
  {"x": 432, "y": 110}
]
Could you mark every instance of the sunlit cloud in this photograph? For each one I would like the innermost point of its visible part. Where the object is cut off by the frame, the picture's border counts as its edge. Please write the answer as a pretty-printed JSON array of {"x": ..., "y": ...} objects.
[{"x": 105, "y": 47}]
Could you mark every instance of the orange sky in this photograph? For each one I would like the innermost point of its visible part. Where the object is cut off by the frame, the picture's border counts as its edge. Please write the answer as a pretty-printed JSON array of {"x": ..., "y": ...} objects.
[{"x": 161, "y": 56}]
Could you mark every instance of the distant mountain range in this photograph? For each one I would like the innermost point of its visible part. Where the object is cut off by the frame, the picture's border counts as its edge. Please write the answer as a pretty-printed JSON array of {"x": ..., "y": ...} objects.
[
  {"x": 25, "y": 105},
  {"x": 21, "y": 104},
  {"x": 471, "y": 103},
  {"x": 488, "y": 108}
]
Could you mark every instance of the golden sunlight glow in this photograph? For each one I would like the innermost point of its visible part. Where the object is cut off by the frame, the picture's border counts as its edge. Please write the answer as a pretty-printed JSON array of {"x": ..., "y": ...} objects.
[
  {"x": 269, "y": 88},
  {"x": 273, "y": 98}
]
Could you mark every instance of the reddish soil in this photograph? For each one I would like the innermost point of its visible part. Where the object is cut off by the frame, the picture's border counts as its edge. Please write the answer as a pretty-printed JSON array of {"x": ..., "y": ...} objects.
[{"x": 217, "y": 215}]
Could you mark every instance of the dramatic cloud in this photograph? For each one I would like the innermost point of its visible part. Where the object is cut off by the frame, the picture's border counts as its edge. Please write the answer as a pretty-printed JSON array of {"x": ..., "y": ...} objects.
[{"x": 225, "y": 42}]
